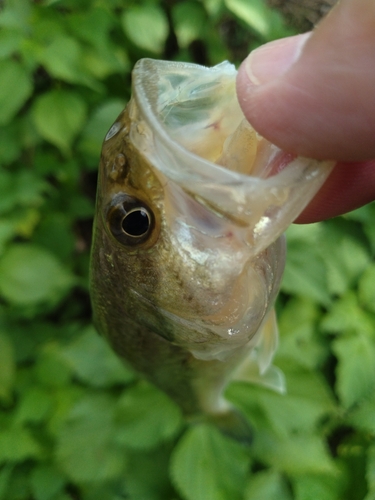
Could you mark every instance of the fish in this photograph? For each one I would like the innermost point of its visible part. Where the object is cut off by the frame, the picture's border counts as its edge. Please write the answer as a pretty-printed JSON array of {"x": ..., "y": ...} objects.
[{"x": 188, "y": 250}]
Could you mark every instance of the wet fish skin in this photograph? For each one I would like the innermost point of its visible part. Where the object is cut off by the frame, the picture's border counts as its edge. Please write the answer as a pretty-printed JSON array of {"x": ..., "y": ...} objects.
[
  {"x": 184, "y": 274},
  {"x": 129, "y": 284}
]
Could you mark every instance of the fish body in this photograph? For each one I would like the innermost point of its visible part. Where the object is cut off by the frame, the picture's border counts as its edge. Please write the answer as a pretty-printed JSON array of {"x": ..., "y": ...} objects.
[{"x": 187, "y": 253}]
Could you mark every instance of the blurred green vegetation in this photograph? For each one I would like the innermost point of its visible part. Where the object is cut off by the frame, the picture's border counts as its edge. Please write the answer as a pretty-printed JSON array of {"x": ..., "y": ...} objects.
[{"x": 76, "y": 424}]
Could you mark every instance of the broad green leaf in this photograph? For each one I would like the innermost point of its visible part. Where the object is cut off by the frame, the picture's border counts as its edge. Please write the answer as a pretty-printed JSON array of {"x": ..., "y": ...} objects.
[
  {"x": 51, "y": 370},
  {"x": 102, "y": 57},
  {"x": 15, "y": 89},
  {"x": 307, "y": 401},
  {"x": 55, "y": 233},
  {"x": 22, "y": 188},
  {"x": 305, "y": 273},
  {"x": 59, "y": 116},
  {"x": 30, "y": 275},
  {"x": 5, "y": 474},
  {"x": 7, "y": 367},
  {"x": 370, "y": 472},
  {"x": 86, "y": 447},
  {"x": 365, "y": 215},
  {"x": 339, "y": 241},
  {"x": 352, "y": 456},
  {"x": 208, "y": 466},
  {"x": 147, "y": 475},
  {"x": 146, "y": 417},
  {"x": 35, "y": 406},
  {"x": 253, "y": 12},
  {"x": 10, "y": 41},
  {"x": 46, "y": 482},
  {"x": 92, "y": 26},
  {"x": 213, "y": 7},
  {"x": 93, "y": 362},
  {"x": 296, "y": 454},
  {"x": 10, "y": 143},
  {"x": 189, "y": 20},
  {"x": 146, "y": 26},
  {"x": 63, "y": 60},
  {"x": 298, "y": 323},
  {"x": 7, "y": 231},
  {"x": 347, "y": 316},
  {"x": 15, "y": 14},
  {"x": 322, "y": 487},
  {"x": 267, "y": 485},
  {"x": 97, "y": 127},
  {"x": 366, "y": 288},
  {"x": 104, "y": 63},
  {"x": 17, "y": 444},
  {"x": 356, "y": 368},
  {"x": 362, "y": 415}
]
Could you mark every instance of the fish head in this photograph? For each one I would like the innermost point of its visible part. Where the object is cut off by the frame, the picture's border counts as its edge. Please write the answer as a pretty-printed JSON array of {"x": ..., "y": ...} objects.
[{"x": 190, "y": 209}]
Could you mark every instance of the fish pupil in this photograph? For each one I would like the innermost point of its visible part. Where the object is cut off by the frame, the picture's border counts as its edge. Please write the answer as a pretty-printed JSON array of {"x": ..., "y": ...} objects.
[{"x": 136, "y": 223}]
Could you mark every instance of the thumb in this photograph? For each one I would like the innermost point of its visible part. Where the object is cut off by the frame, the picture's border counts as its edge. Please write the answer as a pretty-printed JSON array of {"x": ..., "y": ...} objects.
[{"x": 314, "y": 94}]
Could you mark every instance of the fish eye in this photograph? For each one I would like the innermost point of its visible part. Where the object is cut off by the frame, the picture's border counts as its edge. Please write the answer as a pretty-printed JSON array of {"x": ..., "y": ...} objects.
[{"x": 130, "y": 220}]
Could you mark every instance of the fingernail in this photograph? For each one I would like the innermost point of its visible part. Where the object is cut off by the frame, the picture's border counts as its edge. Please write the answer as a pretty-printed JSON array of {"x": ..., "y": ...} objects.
[{"x": 274, "y": 58}]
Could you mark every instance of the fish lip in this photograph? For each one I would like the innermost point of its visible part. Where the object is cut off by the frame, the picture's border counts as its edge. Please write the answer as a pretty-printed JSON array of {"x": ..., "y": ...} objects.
[{"x": 244, "y": 199}]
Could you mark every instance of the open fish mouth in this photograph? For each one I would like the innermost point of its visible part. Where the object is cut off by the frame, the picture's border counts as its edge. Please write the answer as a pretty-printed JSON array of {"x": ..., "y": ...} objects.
[{"x": 202, "y": 142}]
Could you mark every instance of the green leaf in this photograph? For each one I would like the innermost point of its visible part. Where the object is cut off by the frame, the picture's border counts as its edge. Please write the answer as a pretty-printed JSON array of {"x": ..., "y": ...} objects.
[
  {"x": 337, "y": 249},
  {"x": 208, "y": 466},
  {"x": 147, "y": 475},
  {"x": 46, "y": 482},
  {"x": 10, "y": 143},
  {"x": 97, "y": 126},
  {"x": 5, "y": 474},
  {"x": 370, "y": 472},
  {"x": 356, "y": 368},
  {"x": 365, "y": 215},
  {"x": 92, "y": 26},
  {"x": 63, "y": 60},
  {"x": 146, "y": 417},
  {"x": 308, "y": 400},
  {"x": 253, "y": 12},
  {"x": 15, "y": 89},
  {"x": 93, "y": 362},
  {"x": 55, "y": 233},
  {"x": 51, "y": 370},
  {"x": 362, "y": 415},
  {"x": 322, "y": 487},
  {"x": 30, "y": 275},
  {"x": 267, "y": 485},
  {"x": 10, "y": 41},
  {"x": 17, "y": 445},
  {"x": 347, "y": 316},
  {"x": 366, "y": 288},
  {"x": 305, "y": 272},
  {"x": 35, "y": 406},
  {"x": 189, "y": 20},
  {"x": 298, "y": 329},
  {"x": 146, "y": 26},
  {"x": 295, "y": 454},
  {"x": 86, "y": 447},
  {"x": 59, "y": 116},
  {"x": 7, "y": 367}
]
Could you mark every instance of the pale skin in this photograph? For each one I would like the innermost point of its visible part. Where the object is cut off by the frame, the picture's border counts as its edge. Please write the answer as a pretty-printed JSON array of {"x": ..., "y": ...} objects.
[{"x": 314, "y": 95}]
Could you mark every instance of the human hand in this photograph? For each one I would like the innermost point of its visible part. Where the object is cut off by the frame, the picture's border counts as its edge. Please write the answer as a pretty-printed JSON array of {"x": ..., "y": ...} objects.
[{"x": 314, "y": 95}]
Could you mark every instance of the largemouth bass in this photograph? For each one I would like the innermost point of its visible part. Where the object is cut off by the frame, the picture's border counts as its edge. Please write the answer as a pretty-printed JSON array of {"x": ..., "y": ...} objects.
[{"x": 187, "y": 256}]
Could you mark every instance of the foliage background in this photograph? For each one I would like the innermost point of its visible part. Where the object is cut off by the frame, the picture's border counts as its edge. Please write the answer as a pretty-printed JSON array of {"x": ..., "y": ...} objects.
[{"x": 74, "y": 422}]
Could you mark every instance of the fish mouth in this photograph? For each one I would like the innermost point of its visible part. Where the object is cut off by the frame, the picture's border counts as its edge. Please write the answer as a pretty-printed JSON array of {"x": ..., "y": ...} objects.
[{"x": 194, "y": 133}]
